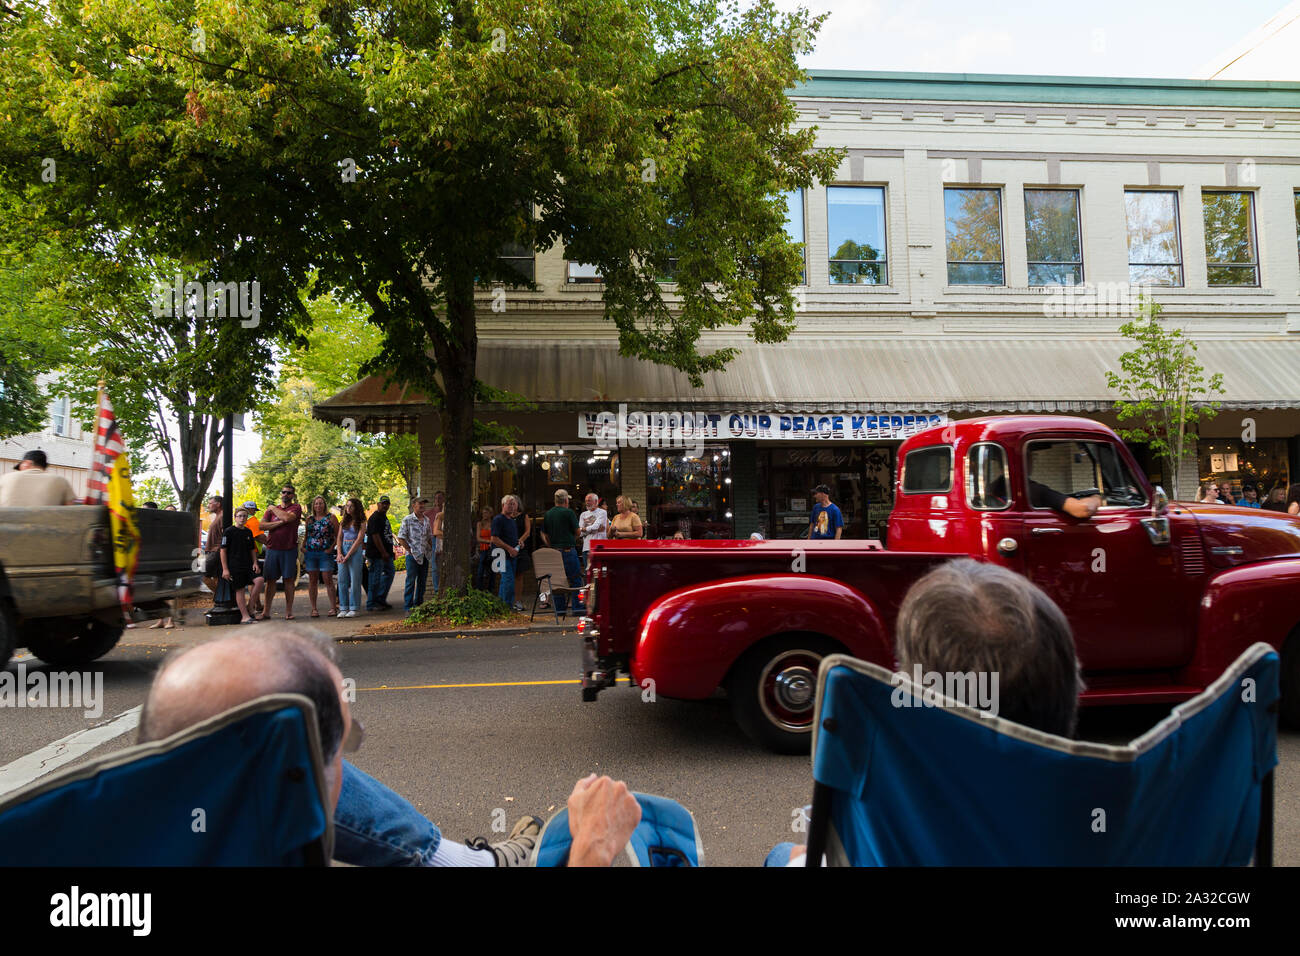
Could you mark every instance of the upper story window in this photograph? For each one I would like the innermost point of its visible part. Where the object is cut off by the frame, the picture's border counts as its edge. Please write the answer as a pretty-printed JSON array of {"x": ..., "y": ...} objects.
[
  {"x": 1297, "y": 222},
  {"x": 583, "y": 272},
  {"x": 794, "y": 224},
  {"x": 1052, "y": 237},
  {"x": 973, "y": 221},
  {"x": 1230, "y": 253},
  {"x": 855, "y": 230},
  {"x": 519, "y": 258},
  {"x": 59, "y": 414},
  {"x": 928, "y": 470},
  {"x": 1154, "y": 248}
]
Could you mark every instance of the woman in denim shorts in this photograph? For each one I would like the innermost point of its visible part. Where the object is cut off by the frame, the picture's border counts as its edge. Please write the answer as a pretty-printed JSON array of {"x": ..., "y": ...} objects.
[{"x": 318, "y": 553}]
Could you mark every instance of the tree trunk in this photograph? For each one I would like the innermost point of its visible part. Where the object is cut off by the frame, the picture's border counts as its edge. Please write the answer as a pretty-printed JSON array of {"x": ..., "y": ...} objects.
[{"x": 457, "y": 419}]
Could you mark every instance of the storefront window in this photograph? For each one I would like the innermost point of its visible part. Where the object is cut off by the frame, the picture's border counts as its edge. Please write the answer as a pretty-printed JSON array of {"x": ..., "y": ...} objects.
[
  {"x": 536, "y": 472},
  {"x": 689, "y": 494},
  {"x": 1234, "y": 464},
  {"x": 861, "y": 480}
]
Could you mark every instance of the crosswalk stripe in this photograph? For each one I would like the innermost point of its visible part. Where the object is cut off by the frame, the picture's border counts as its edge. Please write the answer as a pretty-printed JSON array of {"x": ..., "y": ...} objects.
[{"x": 65, "y": 750}]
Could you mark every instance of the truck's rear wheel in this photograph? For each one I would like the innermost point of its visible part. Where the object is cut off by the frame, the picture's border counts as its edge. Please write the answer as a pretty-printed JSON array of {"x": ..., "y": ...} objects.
[
  {"x": 77, "y": 641},
  {"x": 773, "y": 689}
]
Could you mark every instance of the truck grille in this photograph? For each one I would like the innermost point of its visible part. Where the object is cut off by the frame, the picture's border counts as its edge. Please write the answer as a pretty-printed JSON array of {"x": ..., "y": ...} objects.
[{"x": 1193, "y": 557}]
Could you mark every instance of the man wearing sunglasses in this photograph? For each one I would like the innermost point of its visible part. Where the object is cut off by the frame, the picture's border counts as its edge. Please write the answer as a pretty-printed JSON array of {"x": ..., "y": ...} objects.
[{"x": 373, "y": 825}]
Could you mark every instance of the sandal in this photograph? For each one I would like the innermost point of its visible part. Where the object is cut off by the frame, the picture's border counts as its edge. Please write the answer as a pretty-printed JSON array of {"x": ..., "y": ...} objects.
[
  {"x": 157, "y": 623},
  {"x": 289, "y": 617},
  {"x": 334, "y": 612},
  {"x": 315, "y": 613}
]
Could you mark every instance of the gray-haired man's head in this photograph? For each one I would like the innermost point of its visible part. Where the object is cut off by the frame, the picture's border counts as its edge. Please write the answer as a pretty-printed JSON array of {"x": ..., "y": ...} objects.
[
  {"x": 969, "y": 616},
  {"x": 212, "y": 678}
]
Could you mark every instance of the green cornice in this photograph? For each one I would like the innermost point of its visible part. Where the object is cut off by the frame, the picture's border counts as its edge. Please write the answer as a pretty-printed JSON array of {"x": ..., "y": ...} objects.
[{"x": 1097, "y": 90}]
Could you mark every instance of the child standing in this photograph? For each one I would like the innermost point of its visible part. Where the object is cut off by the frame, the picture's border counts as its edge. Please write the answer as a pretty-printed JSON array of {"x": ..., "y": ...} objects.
[{"x": 238, "y": 559}]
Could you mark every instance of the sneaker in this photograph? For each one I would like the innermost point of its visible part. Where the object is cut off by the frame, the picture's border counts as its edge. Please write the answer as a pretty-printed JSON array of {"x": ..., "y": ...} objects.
[
  {"x": 519, "y": 607},
  {"x": 517, "y": 848}
]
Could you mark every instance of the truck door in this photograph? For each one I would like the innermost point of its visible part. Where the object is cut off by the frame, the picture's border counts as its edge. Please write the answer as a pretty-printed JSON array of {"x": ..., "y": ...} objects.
[{"x": 1120, "y": 590}]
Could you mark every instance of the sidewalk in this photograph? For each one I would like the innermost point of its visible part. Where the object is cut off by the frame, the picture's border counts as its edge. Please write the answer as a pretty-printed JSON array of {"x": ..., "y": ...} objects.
[{"x": 192, "y": 627}]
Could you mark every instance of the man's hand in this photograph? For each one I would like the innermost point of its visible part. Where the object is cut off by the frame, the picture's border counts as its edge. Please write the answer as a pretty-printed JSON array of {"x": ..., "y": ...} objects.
[
  {"x": 602, "y": 816},
  {"x": 1082, "y": 507}
]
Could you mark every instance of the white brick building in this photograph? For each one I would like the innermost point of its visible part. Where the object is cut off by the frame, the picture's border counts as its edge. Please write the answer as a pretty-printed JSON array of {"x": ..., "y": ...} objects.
[{"x": 963, "y": 189}]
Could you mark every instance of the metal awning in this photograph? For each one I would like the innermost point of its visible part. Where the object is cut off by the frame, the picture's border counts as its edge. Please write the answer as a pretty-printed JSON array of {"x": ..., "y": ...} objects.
[{"x": 838, "y": 373}]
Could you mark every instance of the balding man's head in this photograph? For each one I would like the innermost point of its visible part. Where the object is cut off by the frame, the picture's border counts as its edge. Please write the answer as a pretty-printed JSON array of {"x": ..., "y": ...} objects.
[{"x": 214, "y": 677}]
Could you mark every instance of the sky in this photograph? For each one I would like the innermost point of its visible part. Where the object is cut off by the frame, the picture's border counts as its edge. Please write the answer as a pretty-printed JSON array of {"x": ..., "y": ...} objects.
[{"x": 1148, "y": 38}]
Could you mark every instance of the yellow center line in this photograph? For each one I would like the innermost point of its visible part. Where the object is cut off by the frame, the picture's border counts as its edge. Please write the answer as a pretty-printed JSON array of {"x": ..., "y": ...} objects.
[{"x": 516, "y": 683}]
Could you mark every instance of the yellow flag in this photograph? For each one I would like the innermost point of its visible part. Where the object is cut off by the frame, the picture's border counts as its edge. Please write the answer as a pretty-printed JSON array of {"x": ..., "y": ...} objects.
[{"x": 126, "y": 535}]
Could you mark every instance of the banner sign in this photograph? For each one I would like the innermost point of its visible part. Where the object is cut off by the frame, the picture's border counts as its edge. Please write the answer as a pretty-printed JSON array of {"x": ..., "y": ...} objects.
[{"x": 685, "y": 428}]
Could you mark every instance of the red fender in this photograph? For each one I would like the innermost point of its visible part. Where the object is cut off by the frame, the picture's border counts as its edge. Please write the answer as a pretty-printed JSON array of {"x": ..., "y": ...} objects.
[
  {"x": 689, "y": 638},
  {"x": 1239, "y": 607}
]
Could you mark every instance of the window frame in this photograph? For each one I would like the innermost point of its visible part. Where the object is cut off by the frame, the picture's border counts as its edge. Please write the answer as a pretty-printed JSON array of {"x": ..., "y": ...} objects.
[
  {"x": 902, "y": 480},
  {"x": 1181, "y": 262},
  {"x": 969, "y": 482},
  {"x": 803, "y": 229},
  {"x": 1078, "y": 225},
  {"x": 64, "y": 430},
  {"x": 884, "y": 235},
  {"x": 598, "y": 279},
  {"x": 1001, "y": 262},
  {"x": 1253, "y": 237}
]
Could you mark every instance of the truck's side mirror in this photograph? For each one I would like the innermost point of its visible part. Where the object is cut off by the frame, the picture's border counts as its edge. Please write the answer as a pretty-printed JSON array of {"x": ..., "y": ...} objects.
[{"x": 1159, "y": 502}]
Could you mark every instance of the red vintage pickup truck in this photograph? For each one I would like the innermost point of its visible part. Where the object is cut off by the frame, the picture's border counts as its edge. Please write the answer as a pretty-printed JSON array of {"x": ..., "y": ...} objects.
[{"x": 1161, "y": 596}]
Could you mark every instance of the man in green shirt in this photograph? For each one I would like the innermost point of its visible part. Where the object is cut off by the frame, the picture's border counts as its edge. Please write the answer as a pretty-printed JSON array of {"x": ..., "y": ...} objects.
[{"x": 560, "y": 531}]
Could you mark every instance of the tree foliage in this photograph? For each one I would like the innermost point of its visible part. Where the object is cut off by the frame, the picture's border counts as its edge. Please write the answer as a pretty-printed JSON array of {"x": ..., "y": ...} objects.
[
  {"x": 397, "y": 148},
  {"x": 1164, "y": 389}
]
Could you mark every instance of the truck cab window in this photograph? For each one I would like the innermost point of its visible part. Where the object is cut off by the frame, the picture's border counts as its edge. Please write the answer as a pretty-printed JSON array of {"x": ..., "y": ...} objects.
[
  {"x": 1076, "y": 469},
  {"x": 928, "y": 471}
]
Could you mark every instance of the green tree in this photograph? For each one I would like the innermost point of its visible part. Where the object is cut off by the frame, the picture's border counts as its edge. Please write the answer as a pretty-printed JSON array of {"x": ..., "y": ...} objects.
[
  {"x": 155, "y": 488},
  {"x": 1164, "y": 390},
  {"x": 319, "y": 457},
  {"x": 399, "y": 148}
]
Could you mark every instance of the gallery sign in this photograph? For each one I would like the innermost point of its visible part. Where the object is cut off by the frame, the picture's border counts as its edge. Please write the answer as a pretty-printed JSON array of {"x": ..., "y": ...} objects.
[{"x": 690, "y": 429}]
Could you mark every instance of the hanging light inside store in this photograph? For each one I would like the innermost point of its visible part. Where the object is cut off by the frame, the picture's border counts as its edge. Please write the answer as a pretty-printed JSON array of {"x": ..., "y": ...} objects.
[{"x": 546, "y": 465}]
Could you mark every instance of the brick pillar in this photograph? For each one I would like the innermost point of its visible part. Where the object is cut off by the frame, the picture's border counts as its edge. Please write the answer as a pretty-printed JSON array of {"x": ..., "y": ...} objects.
[
  {"x": 744, "y": 487},
  {"x": 632, "y": 465}
]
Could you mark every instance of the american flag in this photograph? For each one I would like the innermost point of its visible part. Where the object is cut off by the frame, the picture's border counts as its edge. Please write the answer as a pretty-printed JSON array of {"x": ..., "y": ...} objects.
[{"x": 108, "y": 445}]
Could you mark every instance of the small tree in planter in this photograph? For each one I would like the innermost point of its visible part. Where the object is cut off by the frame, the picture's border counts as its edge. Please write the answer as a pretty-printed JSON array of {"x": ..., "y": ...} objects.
[{"x": 1164, "y": 389}]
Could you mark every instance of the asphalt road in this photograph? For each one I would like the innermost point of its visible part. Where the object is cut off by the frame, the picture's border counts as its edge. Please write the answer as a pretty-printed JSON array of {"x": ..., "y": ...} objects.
[{"x": 515, "y": 742}]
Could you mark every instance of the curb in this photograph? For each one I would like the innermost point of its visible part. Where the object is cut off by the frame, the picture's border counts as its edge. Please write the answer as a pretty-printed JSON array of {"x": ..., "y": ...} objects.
[{"x": 487, "y": 632}]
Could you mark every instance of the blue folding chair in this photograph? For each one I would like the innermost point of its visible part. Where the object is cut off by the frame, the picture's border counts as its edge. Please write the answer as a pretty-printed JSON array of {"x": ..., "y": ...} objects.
[
  {"x": 245, "y": 788},
  {"x": 666, "y": 836},
  {"x": 944, "y": 786}
]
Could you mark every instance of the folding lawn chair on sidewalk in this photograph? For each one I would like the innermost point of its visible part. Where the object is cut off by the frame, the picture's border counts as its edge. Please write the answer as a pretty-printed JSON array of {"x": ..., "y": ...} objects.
[
  {"x": 245, "y": 788},
  {"x": 548, "y": 569},
  {"x": 666, "y": 836},
  {"x": 941, "y": 785}
]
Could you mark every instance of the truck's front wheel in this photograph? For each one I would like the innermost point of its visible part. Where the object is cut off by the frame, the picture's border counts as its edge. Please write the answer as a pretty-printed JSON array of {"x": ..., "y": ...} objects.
[
  {"x": 773, "y": 688},
  {"x": 72, "y": 641}
]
